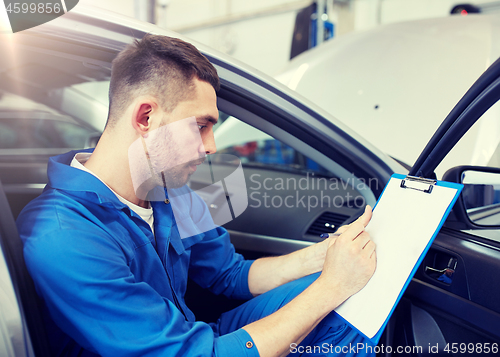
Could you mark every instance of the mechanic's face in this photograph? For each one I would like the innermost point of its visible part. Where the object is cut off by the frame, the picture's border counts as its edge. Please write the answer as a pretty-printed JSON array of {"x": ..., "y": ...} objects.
[{"x": 185, "y": 137}]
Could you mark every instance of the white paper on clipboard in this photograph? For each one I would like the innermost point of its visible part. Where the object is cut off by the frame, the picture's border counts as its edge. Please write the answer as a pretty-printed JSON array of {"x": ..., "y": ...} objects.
[{"x": 403, "y": 224}]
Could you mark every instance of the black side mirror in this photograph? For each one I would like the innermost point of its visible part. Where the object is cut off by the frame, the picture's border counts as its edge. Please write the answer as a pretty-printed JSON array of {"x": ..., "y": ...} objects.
[{"x": 479, "y": 204}]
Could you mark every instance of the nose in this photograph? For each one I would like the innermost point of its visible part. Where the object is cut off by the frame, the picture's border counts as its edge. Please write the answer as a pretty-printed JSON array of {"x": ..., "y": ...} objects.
[{"x": 209, "y": 143}]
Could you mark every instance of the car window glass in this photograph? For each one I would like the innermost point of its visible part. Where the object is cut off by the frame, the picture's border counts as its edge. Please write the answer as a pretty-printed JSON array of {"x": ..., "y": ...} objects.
[
  {"x": 20, "y": 133},
  {"x": 283, "y": 182},
  {"x": 97, "y": 90},
  {"x": 8, "y": 137},
  {"x": 72, "y": 136},
  {"x": 15, "y": 103},
  {"x": 256, "y": 148},
  {"x": 27, "y": 124}
]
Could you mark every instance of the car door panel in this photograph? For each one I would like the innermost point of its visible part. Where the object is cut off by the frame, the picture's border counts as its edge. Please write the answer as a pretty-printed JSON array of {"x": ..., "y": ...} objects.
[{"x": 467, "y": 310}]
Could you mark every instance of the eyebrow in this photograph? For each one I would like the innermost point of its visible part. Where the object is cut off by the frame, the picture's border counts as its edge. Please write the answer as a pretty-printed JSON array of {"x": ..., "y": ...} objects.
[{"x": 208, "y": 118}]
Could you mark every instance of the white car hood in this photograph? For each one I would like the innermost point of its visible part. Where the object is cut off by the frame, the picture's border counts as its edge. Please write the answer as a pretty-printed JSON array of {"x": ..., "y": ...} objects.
[{"x": 394, "y": 85}]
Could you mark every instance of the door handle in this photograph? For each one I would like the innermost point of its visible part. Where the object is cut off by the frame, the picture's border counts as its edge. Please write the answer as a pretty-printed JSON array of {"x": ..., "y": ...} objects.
[
  {"x": 442, "y": 271},
  {"x": 444, "y": 275}
]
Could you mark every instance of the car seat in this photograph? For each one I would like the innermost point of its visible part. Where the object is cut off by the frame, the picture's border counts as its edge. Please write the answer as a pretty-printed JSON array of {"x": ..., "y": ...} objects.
[{"x": 28, "y": 300}]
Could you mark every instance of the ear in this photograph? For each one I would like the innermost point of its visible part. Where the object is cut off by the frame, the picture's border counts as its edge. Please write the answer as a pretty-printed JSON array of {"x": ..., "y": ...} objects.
[{"x": 142, "y": 117}]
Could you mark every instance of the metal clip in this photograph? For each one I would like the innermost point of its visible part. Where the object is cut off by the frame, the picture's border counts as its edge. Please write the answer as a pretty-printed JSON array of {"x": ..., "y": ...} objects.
[{"x": 418, "y": 183}]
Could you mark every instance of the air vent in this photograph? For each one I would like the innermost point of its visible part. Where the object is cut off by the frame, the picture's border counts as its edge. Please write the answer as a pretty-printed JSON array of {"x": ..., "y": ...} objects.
[{"x": 324, "y": 223}]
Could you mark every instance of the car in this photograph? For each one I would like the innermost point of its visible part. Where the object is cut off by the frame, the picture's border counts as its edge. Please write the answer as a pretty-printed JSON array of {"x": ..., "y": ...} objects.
[{"x": 306, "y": 173}]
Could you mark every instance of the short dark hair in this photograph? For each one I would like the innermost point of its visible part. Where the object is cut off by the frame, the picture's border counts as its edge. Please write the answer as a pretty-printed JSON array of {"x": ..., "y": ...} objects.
[{"x": 158, "y": 65}]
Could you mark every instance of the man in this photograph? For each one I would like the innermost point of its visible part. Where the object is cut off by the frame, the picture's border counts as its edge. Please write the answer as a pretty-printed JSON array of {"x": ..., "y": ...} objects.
[{"x": 111, "y": 260}]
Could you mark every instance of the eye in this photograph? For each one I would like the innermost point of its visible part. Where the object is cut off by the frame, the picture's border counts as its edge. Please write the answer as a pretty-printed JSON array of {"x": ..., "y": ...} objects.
[{"x": 201, "y": 127}]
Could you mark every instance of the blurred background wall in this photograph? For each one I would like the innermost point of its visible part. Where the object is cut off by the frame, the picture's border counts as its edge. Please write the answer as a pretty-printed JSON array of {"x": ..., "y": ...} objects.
[{"x": 260, "y": 32}]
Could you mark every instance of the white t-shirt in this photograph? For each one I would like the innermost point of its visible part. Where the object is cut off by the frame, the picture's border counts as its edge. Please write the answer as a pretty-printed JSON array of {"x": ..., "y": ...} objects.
[{"x": 145, "y": 213}]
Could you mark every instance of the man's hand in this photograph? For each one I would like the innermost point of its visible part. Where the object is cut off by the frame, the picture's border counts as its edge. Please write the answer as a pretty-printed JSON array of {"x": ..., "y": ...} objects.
[
  {"x": 268, "y": 273},
  {"x": 350, "y": 259},
  {"x": 348, "y": 262}
]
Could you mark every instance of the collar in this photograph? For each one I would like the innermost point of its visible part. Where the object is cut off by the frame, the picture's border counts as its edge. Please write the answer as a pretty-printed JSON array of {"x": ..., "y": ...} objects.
[
  {"x": 78, "y": 182},
  {"x": 78, "y": 162},
  {"x": 83, "y": 184}
]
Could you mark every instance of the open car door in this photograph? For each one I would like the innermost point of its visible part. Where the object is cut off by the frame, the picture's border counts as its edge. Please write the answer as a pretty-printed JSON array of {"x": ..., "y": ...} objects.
[{"x": 452, "y": 306}]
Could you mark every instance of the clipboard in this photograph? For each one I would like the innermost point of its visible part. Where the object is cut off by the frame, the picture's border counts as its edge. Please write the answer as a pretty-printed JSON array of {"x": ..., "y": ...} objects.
[{"x": 406, "y": 219}]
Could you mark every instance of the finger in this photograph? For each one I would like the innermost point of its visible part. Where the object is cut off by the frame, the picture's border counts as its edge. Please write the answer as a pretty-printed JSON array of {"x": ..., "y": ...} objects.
[
  {"x": 352, "y": 231},
  {"x": 328, "y": 238},
  {"x": 362, "y": 239},
  {"x": 342, "y": 229},
  {"x": 369, "y": 249},
  {"x": 365, "y": 218}
]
